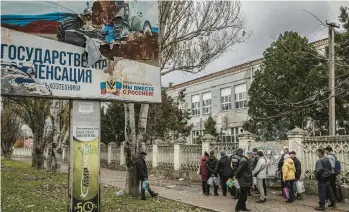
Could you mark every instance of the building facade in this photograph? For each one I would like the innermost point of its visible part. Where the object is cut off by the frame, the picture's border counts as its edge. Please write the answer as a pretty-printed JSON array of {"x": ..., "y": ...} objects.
[{"x": 222, "y": 95}]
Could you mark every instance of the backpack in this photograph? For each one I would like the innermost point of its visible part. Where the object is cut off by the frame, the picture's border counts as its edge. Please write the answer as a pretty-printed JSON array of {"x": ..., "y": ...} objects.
[{"x": 337, "y": 166}]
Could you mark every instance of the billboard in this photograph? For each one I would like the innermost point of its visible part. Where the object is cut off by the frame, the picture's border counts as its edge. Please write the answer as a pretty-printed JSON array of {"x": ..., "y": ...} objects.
[{"x": 108, "y": 50}]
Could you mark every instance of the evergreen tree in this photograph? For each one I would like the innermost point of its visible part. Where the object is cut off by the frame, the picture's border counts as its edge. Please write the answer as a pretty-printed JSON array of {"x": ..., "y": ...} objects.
[{"x": 210, "y": 127}]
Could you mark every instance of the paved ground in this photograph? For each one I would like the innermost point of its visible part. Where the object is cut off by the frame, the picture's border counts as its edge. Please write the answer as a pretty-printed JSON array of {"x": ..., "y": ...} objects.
[{"x": 191, "y": 193}]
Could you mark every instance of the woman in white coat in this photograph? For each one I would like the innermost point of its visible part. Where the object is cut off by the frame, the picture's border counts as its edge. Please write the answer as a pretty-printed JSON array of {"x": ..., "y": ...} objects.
[{"x": 260, "y": 172}]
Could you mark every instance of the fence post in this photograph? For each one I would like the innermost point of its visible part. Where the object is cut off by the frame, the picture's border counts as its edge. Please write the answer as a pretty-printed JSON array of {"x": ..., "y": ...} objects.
[
  {"x": 245, "y": 139},
  {"x": 110, "y": 151},
  {"x": 295, "y": 143},
  {"x": 206, "y": 140},
  {"x": 122, "y": 156},
  {"x": 155, "y": 152},
  {"x": 177, "y": 153}
]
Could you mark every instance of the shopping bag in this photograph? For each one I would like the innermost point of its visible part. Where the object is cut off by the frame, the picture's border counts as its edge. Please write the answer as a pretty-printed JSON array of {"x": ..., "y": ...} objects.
[
  {"x": 145, "y": 185},
  {"x": 286, "y": 193},
  {"x": 210, "y": 181},
  {"x": 229, "y": 183},
  {"x": 236, "y": 184},
  {"x": 216, "y": 181},
  {"x": 254, "y": 181},
  {"x": 300, "y": 187}
]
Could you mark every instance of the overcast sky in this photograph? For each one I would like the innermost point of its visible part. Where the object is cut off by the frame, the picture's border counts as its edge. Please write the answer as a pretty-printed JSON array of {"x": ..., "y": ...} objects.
[{"x": 268, "y": 19}]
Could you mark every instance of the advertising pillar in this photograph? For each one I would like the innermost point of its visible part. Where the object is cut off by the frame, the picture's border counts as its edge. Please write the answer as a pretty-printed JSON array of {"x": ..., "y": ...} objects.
[{"x": 84, "y": 175}]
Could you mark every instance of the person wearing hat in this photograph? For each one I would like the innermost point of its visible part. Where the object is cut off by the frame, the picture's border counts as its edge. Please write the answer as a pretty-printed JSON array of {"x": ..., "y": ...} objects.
[
  {"x": 203, "y": 173},
  {"x": 244, "y": 176},
  {"x": 298, "y": 167},
  {"x": 142, "y": 174},
  {"x": 225, "y": 172}
]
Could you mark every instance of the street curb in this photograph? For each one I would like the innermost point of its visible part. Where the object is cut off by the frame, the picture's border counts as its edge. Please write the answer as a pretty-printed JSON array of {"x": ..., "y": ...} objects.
[{"x": 197, "y": 206}]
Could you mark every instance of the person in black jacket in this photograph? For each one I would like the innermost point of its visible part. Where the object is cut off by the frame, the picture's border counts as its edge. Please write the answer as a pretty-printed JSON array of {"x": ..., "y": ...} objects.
[
  {"x": 142, "y": 174},
  {"x": 298, "y": 167},
  {"x": 225, "y": 172},
  {"x": 212, "y": 169},
  {"x": 323, "y": 170},
  {"x": 244, "y": 175}
]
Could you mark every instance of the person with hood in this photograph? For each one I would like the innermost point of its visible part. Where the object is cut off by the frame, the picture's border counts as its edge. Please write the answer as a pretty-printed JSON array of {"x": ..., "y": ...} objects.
[
  {"x": 142, "y": 174},
  {"x": 288, "y": 176},
  {"x": 298, "y": 167},
  {"x": 244, "y": 175},
  {"x": 212, "y": 169},
  {"x": 333, "y": 178},
  {"x": 280, "y": 164},
  {"x": 225, "y": 172},
  {"x": 235, "y": 159},
  {"x": 260, "y": 172},
  {"x": 323, "y": 170},
  {"x": 203, "y": 173}
]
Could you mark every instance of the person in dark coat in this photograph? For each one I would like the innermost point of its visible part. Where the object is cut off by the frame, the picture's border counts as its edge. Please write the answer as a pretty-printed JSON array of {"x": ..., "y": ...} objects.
[
  {"x": 203, "y": 173},
  {"x": 280, "y": 164},
  {"x": 142, "y": 174},
  {"x": 244, "y": 175},
  {"x": 235, "y": 159},
  {"x": 323, "y": 170},
  {"x": 254, "y": 161},
  {"x": 298, "y": 166},
  {"x": 225, "y": 172},
  {"x": 212, "y": 170}
]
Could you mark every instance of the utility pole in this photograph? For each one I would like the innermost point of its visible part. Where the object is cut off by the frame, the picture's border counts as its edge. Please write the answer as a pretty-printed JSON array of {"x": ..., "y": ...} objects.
[{"x": 332, "y": 80}]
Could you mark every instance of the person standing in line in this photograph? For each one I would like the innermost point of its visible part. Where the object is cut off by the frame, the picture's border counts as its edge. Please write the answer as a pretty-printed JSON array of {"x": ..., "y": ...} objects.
[
  {"x": 254, "y": 161},
  {"x": 244, "y": 175},
  {"x": 203, "y": 173},
  {"x": 250, "y": 158},
  {"x": 260, "y": 172},
  {"x": 142, "y": 174},
  {"x": 212, "y": 169},
  {"x": 333, "y": 178},
  {"x": 323, "y": 170},
  {"x": 298, "y": 167},
  {"x": 225, "y": 172},
  {"x": 288, "y": 174},
  {"x": 280, "y": 164},
  {"x": 235, "y": 159}
]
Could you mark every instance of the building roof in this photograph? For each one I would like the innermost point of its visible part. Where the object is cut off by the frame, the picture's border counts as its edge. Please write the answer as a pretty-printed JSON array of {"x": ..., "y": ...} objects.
[{"x": 234, "y": 69}]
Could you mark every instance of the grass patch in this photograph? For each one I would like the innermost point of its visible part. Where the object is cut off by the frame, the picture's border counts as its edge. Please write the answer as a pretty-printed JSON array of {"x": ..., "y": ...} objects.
[{"x": 27, "y": 189}]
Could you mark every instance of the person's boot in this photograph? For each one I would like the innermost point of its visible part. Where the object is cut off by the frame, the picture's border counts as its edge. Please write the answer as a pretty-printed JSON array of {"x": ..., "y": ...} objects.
[
  {"x": 333, "y": 204},
  {"x": 153, "y": 194},
  {"x": 321, "y": 207}
]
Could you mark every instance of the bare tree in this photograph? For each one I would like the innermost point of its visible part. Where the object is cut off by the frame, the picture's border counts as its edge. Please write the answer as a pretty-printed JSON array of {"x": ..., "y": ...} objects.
[
  {"x": 36, "y": 114},
  {"x": 192, "y": 34},
  {"x": 59, "y": 115},
  {"x": 10, "y": 128}
]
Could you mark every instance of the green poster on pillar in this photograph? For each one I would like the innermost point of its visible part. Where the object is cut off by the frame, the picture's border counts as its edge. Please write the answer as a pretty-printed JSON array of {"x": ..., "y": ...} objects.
[
  {"x": 85, "y": 169},
  {"x": 84, "y": 175}
]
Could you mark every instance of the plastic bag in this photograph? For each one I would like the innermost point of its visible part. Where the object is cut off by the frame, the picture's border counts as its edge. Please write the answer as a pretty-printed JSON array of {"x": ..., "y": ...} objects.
[
  {"x": 216, "y": 181},
  {"x": 145, "y": 185},
  {"x": 210, "y": 181},
  {"x": 229, "y": 183},
  {"x": 300, "y": 187},
  {"x": 254, "y": 181},
  {"x": 286, "y": 193},
  {"x": 236, "y": 184}
]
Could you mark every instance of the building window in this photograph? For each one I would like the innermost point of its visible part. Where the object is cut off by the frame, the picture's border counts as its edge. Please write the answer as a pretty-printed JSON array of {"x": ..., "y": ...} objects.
[
  {"x": 196, "y": 134},
  {"x": 230, "y": 135},
  {"x": 240, "y": 96},
  {"x": 195, "y": 105},
  {"x": 226, "y": 98},
  {"x": 206, "y": 103}
]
